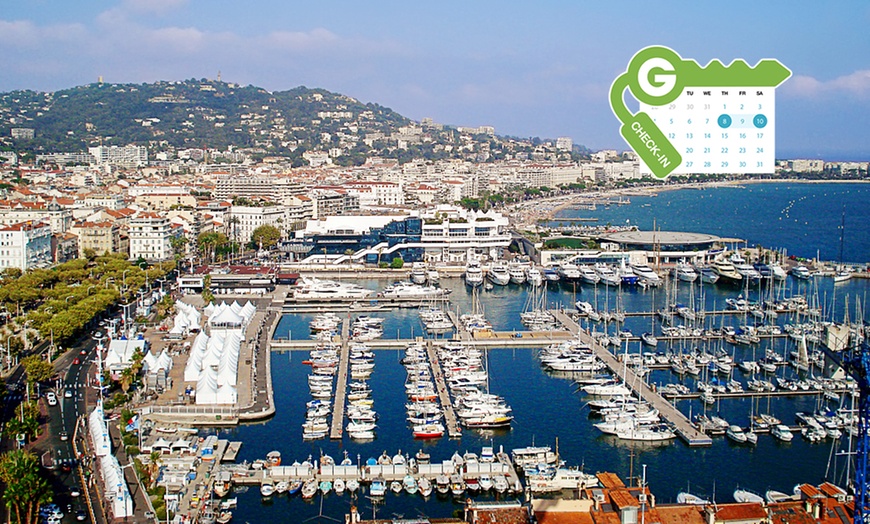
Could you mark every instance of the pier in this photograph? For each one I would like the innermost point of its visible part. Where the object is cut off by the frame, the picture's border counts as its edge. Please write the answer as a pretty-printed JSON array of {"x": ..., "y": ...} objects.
[
  {"x": 335, "y": 429},
  {"x": 450, "y": 419},
  {"x": 457, "y": 326},
  {"x": 681, "y": 423}
]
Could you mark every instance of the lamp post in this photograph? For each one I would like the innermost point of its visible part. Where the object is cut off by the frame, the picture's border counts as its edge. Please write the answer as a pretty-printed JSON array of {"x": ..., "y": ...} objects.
[
  {"x": 51, "y": 330},
  {"x": 69, "y": 297},
  {"x": 112, "y": 279},
  {"x": 124, "y": 276},
  {"x": 90, "y": 288}
]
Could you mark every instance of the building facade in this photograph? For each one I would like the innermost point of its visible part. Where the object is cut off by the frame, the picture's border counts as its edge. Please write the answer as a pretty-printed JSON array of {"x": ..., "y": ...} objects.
[
  {"x": 99, "y": 237},
  {"x": 25, "y": 245},
  {"x": 150, "y": 235}
]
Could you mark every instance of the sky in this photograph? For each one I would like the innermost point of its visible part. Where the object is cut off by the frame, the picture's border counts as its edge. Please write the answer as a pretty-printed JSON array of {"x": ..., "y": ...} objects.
[{"x": 527, "y": 68}]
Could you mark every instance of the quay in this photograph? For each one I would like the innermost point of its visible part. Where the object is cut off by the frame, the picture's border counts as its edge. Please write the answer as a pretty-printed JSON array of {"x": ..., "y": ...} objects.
[
  {"x": 335, "y": 429},
  {"x": 231, "y": 452},
  {"x": 450, "y": 419},
  {"x": 457, "y": 326},
  {"x": 753, "y": 394},
  {"x": 497, "y": 339},
  {"x": 681, "y": 423}
]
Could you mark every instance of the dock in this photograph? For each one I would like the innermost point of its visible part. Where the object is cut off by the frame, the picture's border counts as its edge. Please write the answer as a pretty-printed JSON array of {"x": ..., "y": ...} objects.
[
  {"x": 231, "y": 452},
  {"x": 457, "y": 326},
  {"x": 335, "y": 429},
  {"x": 450, "y": 420},
  {"x": 681, "y": 423}
]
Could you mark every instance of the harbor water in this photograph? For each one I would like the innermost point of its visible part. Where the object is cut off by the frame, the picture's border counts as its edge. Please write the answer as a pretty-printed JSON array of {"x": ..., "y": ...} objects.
[{"x": 547, "y": 406}]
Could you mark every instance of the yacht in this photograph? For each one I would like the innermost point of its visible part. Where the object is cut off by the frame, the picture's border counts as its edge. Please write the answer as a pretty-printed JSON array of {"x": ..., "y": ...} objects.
[
  {"x": 707, "y": 275},
  {"x": 781, "y": 432},
  {"x": 646, "y": 273},
  {"x": 736, "y": 433},
  {"x": 534, "y": 276},
  {"x": 626, "y": 274},
  {"x": 649, "y": 339},
  {"x": 777, "y": 272},
  {"x": 473, "y": 273},
  {"x": 498, "y": 274},
  {"x": 568, "y": 272},
  {"x": 648, "y": 433},
  {"x": 517, "y": 273},
  {"x": 418, "y": 273},
  {"x": 588, "y": 275},
  {"x": 432, "y": 276},
  {"x": 267, "y": 487},
  {"x": 409, "y": 290},
  {"x": 311, "y": 288},
  {"x": 842, "y": 275},
  {"x": 685, "y": 497},
  {"x": 550, "y": 275},
  {"x": 607, "y": 275},
  {"x": 801, "y": 273},
  {"x": 685, "y": 272},
  {"x": 726, "y": 272},
  {"x": 746, "y": 496}
]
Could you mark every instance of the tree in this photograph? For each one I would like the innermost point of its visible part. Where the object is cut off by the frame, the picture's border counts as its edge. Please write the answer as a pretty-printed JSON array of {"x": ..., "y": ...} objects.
[
  {"x": 127, "y": 377},
  {"x": 397, "y": 263},
  {"x": 209, "y": 242},
  {"x": 25, "y": 488},
  {"x": 178, "y": 245},
  {"x": 37, "y": 369},
  {"x": 265, "y": 235}
]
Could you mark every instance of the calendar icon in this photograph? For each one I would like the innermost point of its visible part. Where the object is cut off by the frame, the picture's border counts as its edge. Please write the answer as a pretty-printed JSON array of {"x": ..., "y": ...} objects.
[{"x": 693, "y": 119}]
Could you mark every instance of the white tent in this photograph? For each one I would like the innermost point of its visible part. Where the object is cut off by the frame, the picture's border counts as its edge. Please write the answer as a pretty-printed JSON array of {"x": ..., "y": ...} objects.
[
  {"x": 99, "y": 432},
  {"x": 227, "y": 319},
  {"x": 209, "y": 391},
  {"x": 117, "y": 493}
]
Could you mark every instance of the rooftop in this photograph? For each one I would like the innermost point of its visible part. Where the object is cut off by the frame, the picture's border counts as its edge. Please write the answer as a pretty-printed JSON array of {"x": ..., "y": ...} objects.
[{"x": 659, "y": 237}]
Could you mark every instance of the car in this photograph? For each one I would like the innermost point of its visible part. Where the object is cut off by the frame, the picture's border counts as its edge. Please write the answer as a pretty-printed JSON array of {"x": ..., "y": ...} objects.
[
  {"x": 76, "y": 361},
  {"x": 51, "y": 398},
  {"x": 68, "y": 393},
  {"x": 75, "y": 492},
  {"x": 63, "y": 435},
  {"x": 83, "y": 352},
  {"x": 81, "y": 515}
]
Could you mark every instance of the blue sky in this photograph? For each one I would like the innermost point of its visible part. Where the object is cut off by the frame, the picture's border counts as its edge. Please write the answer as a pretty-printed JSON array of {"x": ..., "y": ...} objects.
[{"x": 529, "y": 69}]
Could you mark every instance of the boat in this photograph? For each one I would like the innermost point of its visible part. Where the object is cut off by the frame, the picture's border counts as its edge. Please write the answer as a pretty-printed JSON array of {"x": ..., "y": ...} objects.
[
  {"x": 282, "y": 487},
  {"x": 588, "y": 275},
  {"x": 647, "y": 433},
  {"x": 378, "y": 487},
  {"x": 424, "y": 485},
  {"x": 568, "y": 272},
  {"x": 498, "y": 274},
  {"x": 224, "y": 517},
  {"x": 309, "y": 489},
  {"x": 746, "y": 496},
  {"x": 485, "y": 482},
  {"x": 726, "y": 272},
  {"x": 707, "y": 275},
  {"x": 550, "y": 274},
  {"x": 418, "y": 273},
  {"x": 685, "y": 272},
  {"x": 777, "y": 272},
  {"x": 432, "y": 276},
  {"x": 274, "y": 458},
  {"x": 411, "y": 290},
  {"x": 295, "y": 487},
  {"x": 426, "y": 431},
  {"x": 775, "y": 497},
  {"x": 736, "y": 434},
  {"x": 649, "y": 339},
  {"x": 684, "y": 497},
  {"x": 457, "y": 486},
  {"x": 409, "y": 484},
  {"x": 325, "y": 486},
  {"x": 781, "y": 432},
  {"x": 339, "y": 486},
  {"x": 627, "y": 275},
  {"x": 517, "y": 273},
  {"x": 473, "y": 273},
  {"x": 267, "y": 487},
  {"x": 500, "y": 483},
  {"x": 843, "y": 275},
  {"x": 607, "y": 275},
  {"x": 534, "y": 276},
  {"x": 396, "y": 486},
  {"x": 352, "y": 485},
  {"x": 801, "y": 273},
  {"x": 312, "y": 288},
  {"x": 229, "y": 503}
]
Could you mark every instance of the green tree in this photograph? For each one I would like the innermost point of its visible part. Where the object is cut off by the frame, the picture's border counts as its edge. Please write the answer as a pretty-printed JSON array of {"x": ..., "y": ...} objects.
[
  {"x": 397, "y": 263},
  {"x": 265, "y": 235},
  {"x": 178, "y": 245},
  {"x": 209, "y": 242},
  {"x": 25, "y": 488},
  {"x": 37, "y": 369}
]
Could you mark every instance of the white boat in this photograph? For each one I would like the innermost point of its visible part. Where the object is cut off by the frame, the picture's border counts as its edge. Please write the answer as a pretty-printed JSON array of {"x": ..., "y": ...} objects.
[
  {"x": 267, "y": 487},
  {"x": 352, "y": 485},
  {"x": 607, "y": 275},
  {"x": 781, "y": 432},
  {"x": 746, "y": 496},
  {"x": 651, "y": 433},
  {"x": 775, "y": 497},
  {"x": 801, "y": 273},
  {"x": 842, "y": 275},
  {"x": 396, "y": 486},
  {"x": 409, "y": 484},
  {"x": 339, "y": 486},
  {"x": 311, "y": 288},
  {"x": 517, "y": 273},
  {"x": 473, "y": 273},
  {"x": 568, "y": 272},
  {"x": 735, "y": 433},
  {"x": 588, "y": 275},
  {"x": 685, "y": 273},
  {"x": 418, "y": 273},
  {"x": 432, "y": 276},
  {"x": 424, "y": 485},
  {"x": 413, "y": 291},
  {"x": 498, "y": 274},
  {"x": 707, "y": 275},
  {"x": 777, "y": 272},
  {"x": 378, "y": 487},
  {"x": 534, "y": 276},
  {"x": 649, "y": 339},
  {"x": 309, "y": 489},
  {"x": 726, "y": 272},
  {"x": 685, "y": 497},
  {"x": 646, "y": 274}
]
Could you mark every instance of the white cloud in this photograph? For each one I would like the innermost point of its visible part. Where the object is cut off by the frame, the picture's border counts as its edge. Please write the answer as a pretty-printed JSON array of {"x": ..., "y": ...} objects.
[
  {"x": 856, "y": 83},
  {"x": 158, "y": 7}
]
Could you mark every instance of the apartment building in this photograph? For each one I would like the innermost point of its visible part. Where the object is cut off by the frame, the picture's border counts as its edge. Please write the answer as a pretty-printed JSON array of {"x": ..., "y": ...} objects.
[
  {"x": 100, "y": 237},
  {"x": 150, "y": 235},
  {"x": 25, "y": 245}
]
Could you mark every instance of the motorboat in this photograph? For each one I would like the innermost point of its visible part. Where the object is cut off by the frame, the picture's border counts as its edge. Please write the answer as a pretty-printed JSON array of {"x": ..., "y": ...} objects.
[
  {"x": 801, "y": 273},
  {"x": 411, "y": 290},
  {"x": 534, "y": 276},
  {"x": 352, "y": 485},
  {"x": 409, "y": 484},
  {"x": 568, "y": 272},
  {"x": 429, "y": 431},
  {"x": 684, "y": 497},
  {"x": 424, "y": 485},
  {"x": 685, "y": 273},
  {"x": 781, "y": 432},
  {"x": 607, "y": 275},
  {"x": 777, "y": 272},
  {"x": 843, "y": 275},
  {"x": 339, "y": 486},
  {"x": 418, "y": 273},
  {"x": 432, "y": 276},
  {"x": 267, "y": 487},
  {"x": 707, "y": 275},
  {"x": 498, "y": 274},
  {"x": 396, "y": 486},
  {"x": 726, "y": 271},
  {"x": 646, "y": 274},
  {"x": 442, "y": 484},
  {"x": 746, "y": 496},
  {"x": 473, "y": 273},
  {"x": 378, "y": 487},
  {"x": 626, "y": 275},
  {"x": 588, "y": 275},
  {"x": 648, "y": 433},
  {"x": 649, "y": 339},
  {"x": 311, "y": 288},
  {"x": 550, "y": 274},
  {"x": 735, "y": 433},
  {"x": 517, "y": 273}
]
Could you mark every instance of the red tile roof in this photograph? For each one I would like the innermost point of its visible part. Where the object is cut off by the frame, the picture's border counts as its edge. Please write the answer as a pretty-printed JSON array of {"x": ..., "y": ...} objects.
[{"x": 746, "y": 511}]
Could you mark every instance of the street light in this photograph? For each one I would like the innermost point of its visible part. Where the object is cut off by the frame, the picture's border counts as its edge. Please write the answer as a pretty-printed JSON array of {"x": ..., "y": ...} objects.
[
  {"x": 107, "y": 281},
  {"x": 90, "y": 288},
  {"x": 69, "y": 297}
]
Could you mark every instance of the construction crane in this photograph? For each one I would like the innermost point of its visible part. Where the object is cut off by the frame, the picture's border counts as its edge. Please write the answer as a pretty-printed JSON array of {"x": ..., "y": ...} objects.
[{"x": 855, "y": 360}]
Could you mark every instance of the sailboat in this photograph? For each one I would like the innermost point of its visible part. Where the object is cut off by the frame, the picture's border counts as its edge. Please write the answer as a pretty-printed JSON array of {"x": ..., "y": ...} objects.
[{"x": 842, "y": 274}]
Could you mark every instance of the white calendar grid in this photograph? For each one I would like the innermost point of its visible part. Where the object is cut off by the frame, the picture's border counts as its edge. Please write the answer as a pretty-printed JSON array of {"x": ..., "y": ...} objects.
[{"x": 719, "y": 130}]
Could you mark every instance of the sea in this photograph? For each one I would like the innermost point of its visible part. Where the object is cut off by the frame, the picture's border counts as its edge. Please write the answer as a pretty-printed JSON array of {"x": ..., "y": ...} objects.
[{"x": 548, "y": 409}]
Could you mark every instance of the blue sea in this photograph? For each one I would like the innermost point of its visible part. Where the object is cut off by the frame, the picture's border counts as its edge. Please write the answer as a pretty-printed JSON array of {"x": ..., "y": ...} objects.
[
  {"x": 548, "y": 408},
  {"x": 803, "y": 218}
]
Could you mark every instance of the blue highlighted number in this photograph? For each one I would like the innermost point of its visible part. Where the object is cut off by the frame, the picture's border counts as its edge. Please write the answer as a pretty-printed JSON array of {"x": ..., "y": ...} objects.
[
  {"x": 725, "y": 121},
  {"x": 759, "y": 121}
]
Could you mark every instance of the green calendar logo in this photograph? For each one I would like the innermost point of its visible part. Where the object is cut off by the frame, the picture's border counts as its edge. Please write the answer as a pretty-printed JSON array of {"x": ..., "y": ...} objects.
[{"x": 657, "y": 77}]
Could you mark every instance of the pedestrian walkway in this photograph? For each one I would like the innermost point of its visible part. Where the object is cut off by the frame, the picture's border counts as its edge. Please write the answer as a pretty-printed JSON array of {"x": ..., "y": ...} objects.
[
  {"x": 341, "y": 383},
  {"x": 450, "y": 419}
]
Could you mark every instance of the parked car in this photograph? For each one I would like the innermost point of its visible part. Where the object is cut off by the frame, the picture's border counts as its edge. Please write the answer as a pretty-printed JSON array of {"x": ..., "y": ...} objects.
[{"x": 51, "y": 398}]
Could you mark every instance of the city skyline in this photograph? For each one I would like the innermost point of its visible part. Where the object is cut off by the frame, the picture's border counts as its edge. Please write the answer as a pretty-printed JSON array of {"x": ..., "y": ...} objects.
[{"x": 542, "y": 72}]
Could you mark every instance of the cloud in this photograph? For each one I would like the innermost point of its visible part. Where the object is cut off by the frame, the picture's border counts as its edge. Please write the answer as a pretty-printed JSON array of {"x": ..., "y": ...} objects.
[
  {"x": 856, "y": 83},
  {"x": 157, "y": 7}
]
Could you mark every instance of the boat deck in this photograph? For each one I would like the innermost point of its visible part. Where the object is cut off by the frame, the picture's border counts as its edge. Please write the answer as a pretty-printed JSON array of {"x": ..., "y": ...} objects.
[
  {"x": 681, "y": 423},
  {"x": 450, "y": 420},
  {"x": 335, "y": 430}
]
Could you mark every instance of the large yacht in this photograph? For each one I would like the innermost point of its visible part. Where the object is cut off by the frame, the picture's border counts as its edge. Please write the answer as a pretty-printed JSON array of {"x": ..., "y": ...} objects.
[
  {"x": 517, "y": 273},
  {"x": 568, "y": 272},
  {"x": 311, "y": 288},
  {"x": 473, "y": 273},
  {"x": 647, "y": 274},
  {"x": 534, "y": 276},
  {"x": 607, "y": 275},
  {"x": 588, "y": 275},
  {"x": 498, "y": 274},
  {"x": 418, "y": 273},
  {"x": 685, "y": 272},
  {"x": 410, "y": 290},
  {"x": 726, "y": 271}
]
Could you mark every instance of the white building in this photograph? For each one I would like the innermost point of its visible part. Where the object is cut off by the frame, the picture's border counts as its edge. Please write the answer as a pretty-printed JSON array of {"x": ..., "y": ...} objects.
[
  {"x": 150, "y": 236},
  {"x": 25, "y": 245},
  {"x": 372, "y": 194},
  {"x": 126, "y": 156},
  {"x": 268, "y": 187},
  {"x": 452, "y": 234},
  {"x": 58, "y": 218},
  {"x": 241, "y": 221},
  {"x": 564, "y": 143}
]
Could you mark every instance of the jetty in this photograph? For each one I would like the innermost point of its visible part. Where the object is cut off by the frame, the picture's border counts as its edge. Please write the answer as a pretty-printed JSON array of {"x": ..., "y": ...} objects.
[
  {"x": 335, "y": 429},
  {"x": 675, "y": 417},
  {"x": 450, "y": 419},
  {"x": 457, "y": 326}
]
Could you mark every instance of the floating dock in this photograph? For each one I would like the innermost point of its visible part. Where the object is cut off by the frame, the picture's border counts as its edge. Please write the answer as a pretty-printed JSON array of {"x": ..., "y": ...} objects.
[
  {"x": 450, "y": 420},
  {"x": 335, "y": 429},
  {"x": 232, "y": 451},
  {"x": 681, "y": 423}
]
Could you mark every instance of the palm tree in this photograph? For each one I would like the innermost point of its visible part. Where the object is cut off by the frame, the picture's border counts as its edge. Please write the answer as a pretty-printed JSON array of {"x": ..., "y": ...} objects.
[
  {"x": 127, "y": 377},
  {"x": 25, "y": 488},
  {"x": 154, "y": 465}
]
